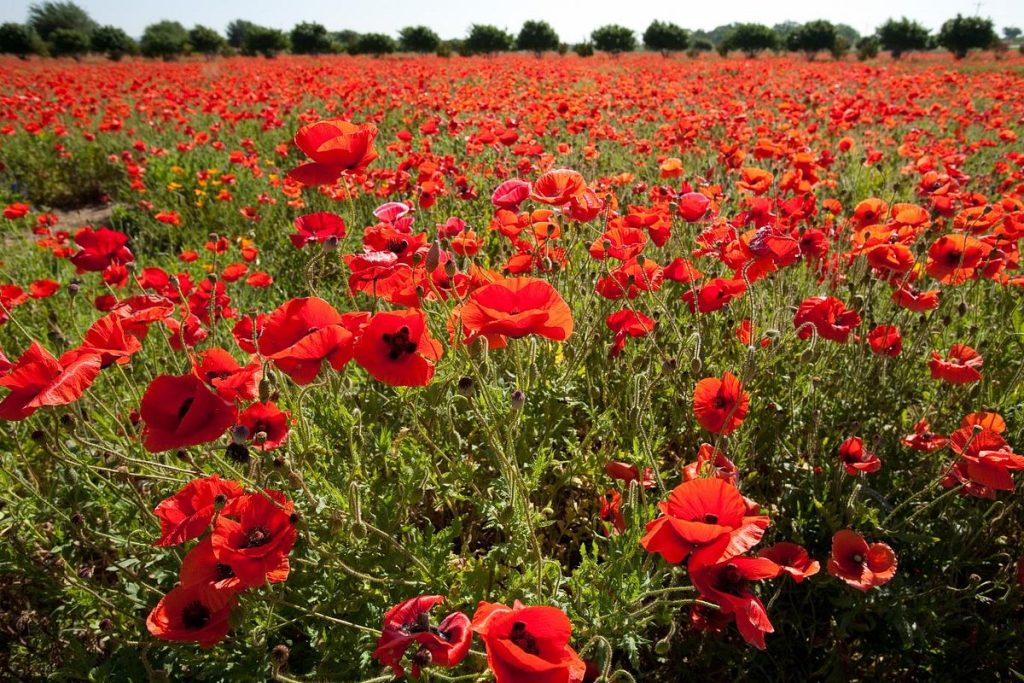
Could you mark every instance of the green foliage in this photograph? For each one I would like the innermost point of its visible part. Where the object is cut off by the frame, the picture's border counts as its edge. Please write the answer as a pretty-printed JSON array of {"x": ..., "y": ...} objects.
[
  {"x": 164, "y": 39},
  {"x": 538, "y": 37},
  {"x": 486, "y": 39},
  {"x": 311, "y": 38},
  {"x": 345, "y": 38},
  {"x": 375, "y": 44},
  {"x": 585, "y": 49},
  {"x": 85, "y": 176},
  {"x": 421, "y": 39},
  {"x": 260, "y": 40},
  {"x": 113, "y": 42},
  {"x": 900, "y": 37},
  {"x": 236, "y": 32},
  {"x": 867, "y": 48},
  {"x": 613, "y": 38},
  {"x": 19, "y": 40},
  {"x": 962, "y": 34},
  {"x": 206, "y": 40},
  {"x": 69, "y": 42},
  {"x": 666, "y": 37},
  {"x": 47, "y": 17},
  {"x": 812, "y": 38},
  {"x": 1011, "y": 32},
  {"x": 751, "y": 39}
]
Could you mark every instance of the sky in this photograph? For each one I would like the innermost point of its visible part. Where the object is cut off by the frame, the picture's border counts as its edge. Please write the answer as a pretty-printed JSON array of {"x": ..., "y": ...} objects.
[{"x": 573, "y": 20}]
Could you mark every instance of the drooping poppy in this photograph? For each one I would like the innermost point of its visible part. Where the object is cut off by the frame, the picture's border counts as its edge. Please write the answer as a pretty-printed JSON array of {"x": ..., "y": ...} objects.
[
  {"x": 408, "y": 624},
  {"x": 725, "y": 583},
  {"x": 396, "y": 348},
  {"x": 197, "y": 613},
  {"x": 179, "y": 411},
  {"x": 720, "y": 404},
  {"x": 254, "y": 535},
  {"x": 334, "y": 147},
  {"x": 188, "y": 513},
  {"x": 528, "y": 644},
  {"x": 859, "y": 564}
]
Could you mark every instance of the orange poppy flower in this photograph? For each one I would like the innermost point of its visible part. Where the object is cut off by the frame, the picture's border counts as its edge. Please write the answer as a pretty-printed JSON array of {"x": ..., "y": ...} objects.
[
  {"x": 720, "y": 404},
  {"x": 558, "y": 186},
  {"x": 859, "y": 564}
]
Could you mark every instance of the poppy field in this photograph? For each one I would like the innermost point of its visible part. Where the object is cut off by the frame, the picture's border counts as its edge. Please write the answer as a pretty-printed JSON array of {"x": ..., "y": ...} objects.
[{"x": 516, "y": 369}]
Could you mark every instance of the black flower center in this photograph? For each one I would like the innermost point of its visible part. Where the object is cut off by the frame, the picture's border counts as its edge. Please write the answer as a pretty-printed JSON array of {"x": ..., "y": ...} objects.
[
  {"x": 522, "y": 639},
  {"x": 256, "y": 536},
  {"x": 399, "y": 343},
  {"x": 711, "y": 518},
  {"x": 397, "y": 246},
  {"x": 224, "y": 571},
  {"x": 195, "y": 616},
  {"x": 184, "y": 407}
]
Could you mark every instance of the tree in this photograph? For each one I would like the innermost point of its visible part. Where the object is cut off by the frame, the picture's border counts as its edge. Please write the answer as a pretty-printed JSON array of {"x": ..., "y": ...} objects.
[
  {"x": 1011, "y": 32},
  {"x": 311, "y": 38},
  {"x": 206, "y": 40},
  {"x": 867, "y": 48},
  {"x": 751, "y": 39},
  {"x": 900, "y": 37},
  {"x": 962, "y": 34},
  {"x": 344, "y": 39},
  {"x": 537, "y": 37},
  {"x": 846, "y": 31},
  {"x": 421, "y": 39},
  {"x": 614, "y": 39},
  {"x": 485, "y": 39},
  {"x": 113, "y": 42},
  {"x": 260, "y": 40},
  {"x": 812, "y": 38},
  {"x": 375, "y": 44},
  {"x": 584, "y": 49},
  {"x": 237, "y": 31},
  {"x": 666, "y": 37},
  {"x": 69, "y": 42},
  {"x": 164, "y": 39},
  {"x": 19, "y": 40},
  {"x": 47, "y": 17}
]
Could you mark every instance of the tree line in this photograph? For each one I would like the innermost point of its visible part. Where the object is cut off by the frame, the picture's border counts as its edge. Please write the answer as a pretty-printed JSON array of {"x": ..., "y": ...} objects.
[{"x": 63, "y": 29}]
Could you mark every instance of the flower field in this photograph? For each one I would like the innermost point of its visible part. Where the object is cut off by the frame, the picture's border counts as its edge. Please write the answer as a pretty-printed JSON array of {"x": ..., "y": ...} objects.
[{"x": 513, "y": 369}]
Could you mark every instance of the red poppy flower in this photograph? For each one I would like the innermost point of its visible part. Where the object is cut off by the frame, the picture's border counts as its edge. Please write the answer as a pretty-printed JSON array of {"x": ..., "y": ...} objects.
[
  {"x": 15, "y": 211},
  {"x": 720, "y": 404},
  {"x": 885, "y": 340},
  {"x": 198, "y": 613},
  {"x": 827, "y": 316},
  {"x": 334, "y": 147},
  {"x": 861, "y": 565},
  {"x": 961, "y": 366},
  {"x": 42, "y": 289},
  {"x": 201, "y": 566},
  {"x": 510, "y": 194},
  {"x": 923, "y": 439},
  {"x": 100, "y": 249},
  {"x": 627, "y": 473},
  {"x": 317, "y": 227},
  {"x": 528, "y": 644},
  {"x": 682, "y": 271},
  {"x": 611, "y": 510},
  {"x": 397, "y": 349},
  {"x": 516, "y": 307},
  {"x": 714, "y": 295},
  {"x": 992, "y": 422},
  {"x": 108, "y": 338},
  {"x": 37, "y": 379},
  {"x": 915, "y": 300},
  {"x": 254, "y": 534},
  {"x": 698, "y": 514},
  {"x": 630, "y": 279},
  {"x": 693, "y": 206},
  {"x": 627, "y": 323},
  {"x": 10, "y": 296},
  {"x": 188, "y": 513},
  {"x": 711, "y": 462},
  {"x": 855, "y": 458},
  {"x": 986, "y": 458},
  {"x": 303, "y": 333},
  {"x": 558, "y": 186},
  {"x": 408, "y": 623},
  {"x": 793, "y": 559},
  {"x": 952, "y": 259},
  {"x": 725, "y": 584},
  {"x": 179, "y": 411},
  {"x": 267, "y": 425},
  {"x": 231, "y": 381}
]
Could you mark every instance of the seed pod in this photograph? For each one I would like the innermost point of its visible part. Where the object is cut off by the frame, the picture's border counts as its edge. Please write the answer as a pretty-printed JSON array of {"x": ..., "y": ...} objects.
[{"x": 433, "y": 257}]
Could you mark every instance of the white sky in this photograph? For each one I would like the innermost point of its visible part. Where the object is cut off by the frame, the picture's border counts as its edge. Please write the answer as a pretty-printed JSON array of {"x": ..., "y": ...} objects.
[{"x": 572, "y": 19}]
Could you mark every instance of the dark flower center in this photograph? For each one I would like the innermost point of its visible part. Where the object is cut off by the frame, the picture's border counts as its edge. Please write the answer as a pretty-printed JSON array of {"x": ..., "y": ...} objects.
[
  {"x": 721, "y": 402},
  {"x": 256, "y": 536},
  {"x": 857, "y": 558},
  {"x": 523, "y": 640},
  {"x": 730, "y": 579},
  {"x": 953, "y": 257},
  {"x": 397, "y": 246},
  {"x": 224, "y": 571},
  {"x": 399, "y": 343},
  {"x": 216, "y": 374},
  {"x": 184, "y": 407},
  {"x": 195, "y": 616},
  {"x": 711, "y": 518}
]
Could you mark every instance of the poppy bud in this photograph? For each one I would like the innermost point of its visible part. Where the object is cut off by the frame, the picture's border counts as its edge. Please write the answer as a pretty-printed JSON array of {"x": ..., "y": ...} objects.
[
  {"x": 130, "y": 266},
  {"x": 449, "y": 268},
  {"x": 237, "y": 452},
  {"x": 239, "y": 434},
  {"x": 77, "y": 519},
  {"x": 67, "y": 419},
  {"x": 696, "y": 365},
  {"x": 73, "y": 288},
  {"x": 466, "y": 387},
  {"x": 38, "y": 436},
  {"x": 172, "y": 280},
  {"x": 211, "y": 278},
  {"x": 213, "y": 237},
  {"x": 669, "y": 364},
  {"x": 518, "y": 399},
  {"x": 279, "y": 655},
  {"x": 662, "y": 646},
  {"x": 264, "y": 390},
  {"x": 946, "y": 320},
  {"x": 278, "y": 461},
  {"x": 962, "y": 309},
  {"x": 183, "y": 455},
  {"x": 220, "y": 499},
  {"x": 107, "y": 625},
  {"x": 807, "y": 356},
  {"x": 433, "y": 257}
]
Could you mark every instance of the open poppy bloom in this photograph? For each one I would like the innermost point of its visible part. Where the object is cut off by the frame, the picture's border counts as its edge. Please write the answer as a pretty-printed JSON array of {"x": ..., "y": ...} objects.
[
  {"x": 861, "y": 565},
  {"x": 528, "y": 644},
  {"x": 516, "y": 307},
  {"x": 713, "y": 295},
  {"x": 266, "y": 424},
  {"x": 985, "y": 458},
  {"x": 855, "y": 458},
  {"x": 231, "y": 381},
  {"x": 37, "y": 379},
  {"x": 179, "y": 411},
  {"x": 99, "y": 249},
  {"x": 334, "y": 147},
  {"x": 720, "y": 404},
  {"x": 510, "y": 194},
  {"x": 317, "y": 227},
  {"x": 201, "y": 566},
  {"x": 408, "y": 624},
  {"x": 253, "y": 535},
  {"x": 711, "y": 462},
  {"x": 188, "y": 513},
  {"x": 826, "y": 316},
  {"x": 885, "y": 340},
  {"x": 961, "y": 366},
  {"x": 557, "y": 187},
  {"x": 302, "y": 333},
  {"x": 627, "y": 323},
  {"x": 396, "y": 348},
  {"x": 700, "y": 513},
  {"x": 725, "y": 583},
  {"x": 923, "y": 439},
  {"x": 198, "y": 613},
  {"x": 953, "y": 259},
  {"x": 792, "y": 559}
]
